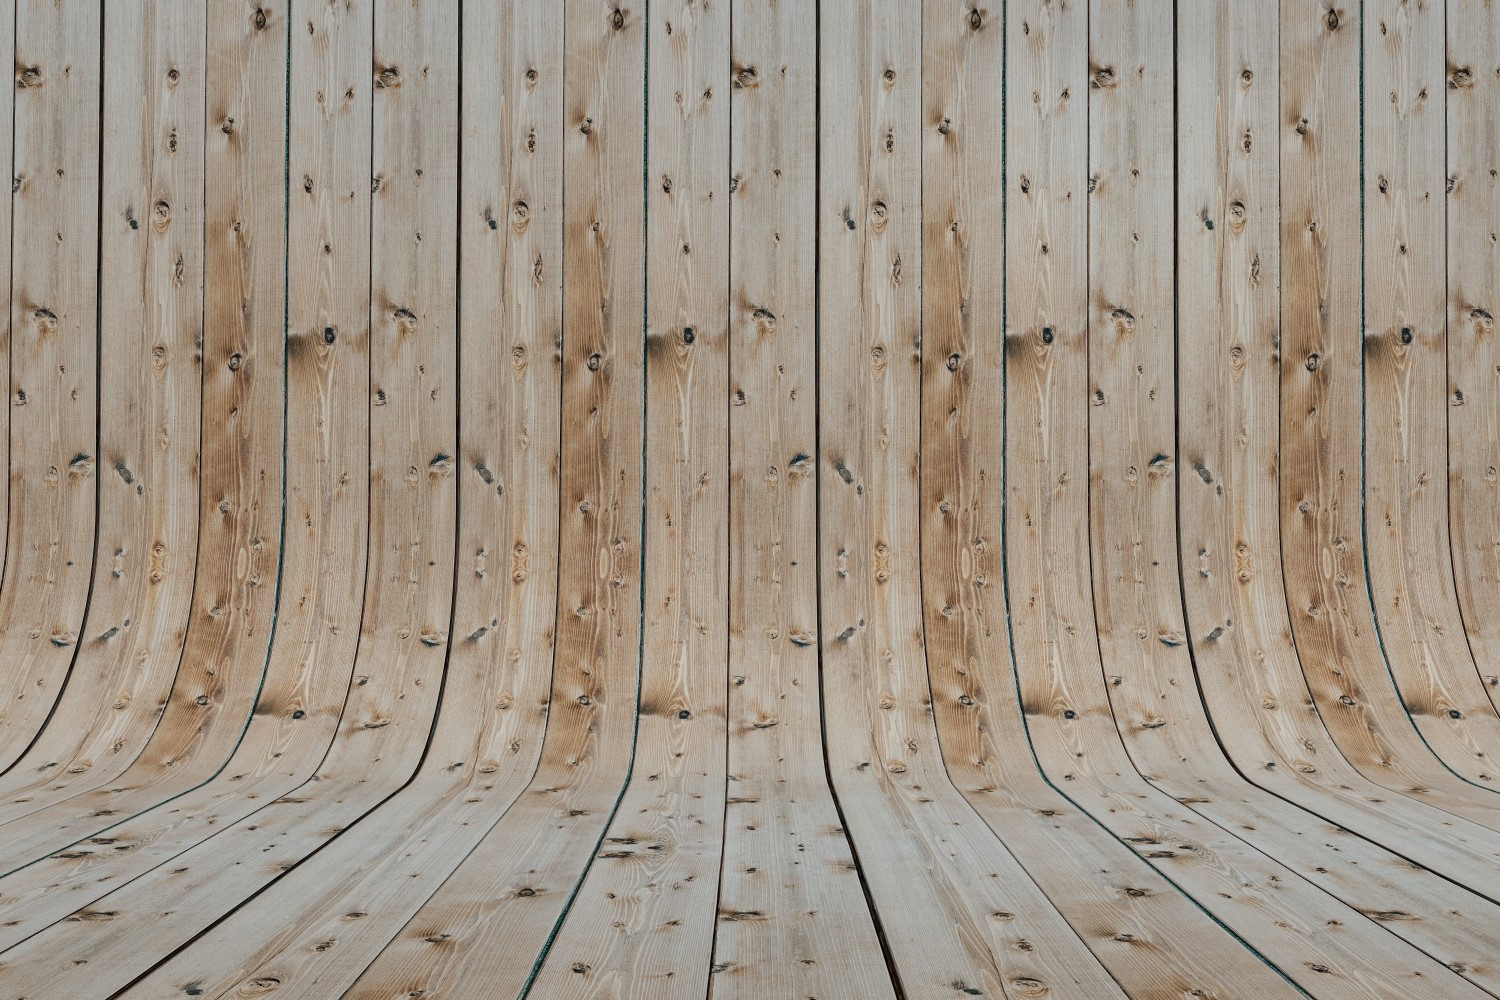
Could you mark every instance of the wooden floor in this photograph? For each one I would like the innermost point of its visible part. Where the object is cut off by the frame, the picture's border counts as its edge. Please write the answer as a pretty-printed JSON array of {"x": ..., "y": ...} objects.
[{"x": 761, "y": 499}]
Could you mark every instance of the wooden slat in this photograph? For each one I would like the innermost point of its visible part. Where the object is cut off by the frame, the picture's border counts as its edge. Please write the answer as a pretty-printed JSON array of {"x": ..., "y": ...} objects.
[
  {"x": 7, "y": 155},
  {"x": 492, "y": 920},
  {"x": 54, "y": 360},
  {"x": 386, "y": 720},
  {"x": 492, "y": 715},
  {"x": 1236, "y": 607},
  {"x": 792, "y": 920},
  {"x": 1405, "y": 382},
  {"x": 312, "y": 657},
  {"x": 151, "y": 288},
  {"x": 1154, "y": 934},
  {"x": 883, "y": 752},
  {"x": 1331, "y": 616},
  {"x": 860, "y": 500},
  {"x": 642, "y": 922},
  {"x": 1473, "y": 281}
]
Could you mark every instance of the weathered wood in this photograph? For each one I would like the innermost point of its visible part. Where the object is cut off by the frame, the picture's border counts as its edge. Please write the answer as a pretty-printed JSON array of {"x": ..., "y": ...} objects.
[
  {"x": 1332, "y": 620},
  {"x": 54, "y": 330},
  {"x": 492, "y": 921},
  {"x": 151, "y": 292},
  {"x": 1473, "y": 280},
  {"x": 793, "y": 920},
  {"x": 755, "y": 499},
  {"x": 655, "y": 876}
]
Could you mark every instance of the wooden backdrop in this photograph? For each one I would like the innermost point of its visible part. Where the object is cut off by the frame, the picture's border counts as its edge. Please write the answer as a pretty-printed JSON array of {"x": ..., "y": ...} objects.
[{"x": 763, "y": 498}]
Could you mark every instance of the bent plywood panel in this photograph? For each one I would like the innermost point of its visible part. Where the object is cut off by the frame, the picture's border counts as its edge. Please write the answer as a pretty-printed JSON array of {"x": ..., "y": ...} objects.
[{"x": 750, "y": 498}]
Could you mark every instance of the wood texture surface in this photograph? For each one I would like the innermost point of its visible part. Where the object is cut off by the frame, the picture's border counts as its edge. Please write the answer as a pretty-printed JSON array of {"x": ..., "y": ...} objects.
[{"x": 750, "y": 499}]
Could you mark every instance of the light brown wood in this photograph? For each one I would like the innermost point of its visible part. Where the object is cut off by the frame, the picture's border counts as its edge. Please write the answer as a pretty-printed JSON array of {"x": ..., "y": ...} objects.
[
  {"x": 54, "y": 328},
  {"x": 750, "y": 498},
  {"x": 538, "y": 852},
  {"x": 792, "y": 917},
  {"x": 1473, "y": 277},
  {"x": 151, "y": 290}
]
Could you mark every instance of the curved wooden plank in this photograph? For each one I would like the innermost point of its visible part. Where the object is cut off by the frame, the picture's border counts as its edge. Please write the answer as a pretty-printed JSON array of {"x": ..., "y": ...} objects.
[
  {"x": 1322, "y": 538},
  {"x": 642, "y": 922},
  {"x": 490, "y": 725},
  {"x": 7, "y": 155},
  {"x": 151, "y": 291},
  {"x": 1403, "y": 350},
  {"x": 928, "y": 859},
  {"x": 1239, "y": 630},
  {"x": 403, "y": 644},
  {"x": 793, "y": 919},
  {"x": 311, "y": 660},
  {"x": 1473, "y": 277},
  {"x": 1145, "y": 932},
  {"x": 54, "y": 360},
  {"x": 493, "y": 918}
]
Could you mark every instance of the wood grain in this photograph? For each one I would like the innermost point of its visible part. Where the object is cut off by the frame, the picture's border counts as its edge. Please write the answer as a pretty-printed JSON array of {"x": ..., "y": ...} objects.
[{"x": 744, "y": 498}]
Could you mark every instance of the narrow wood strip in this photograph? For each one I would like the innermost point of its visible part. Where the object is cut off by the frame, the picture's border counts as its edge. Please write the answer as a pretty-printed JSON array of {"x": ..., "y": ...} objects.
[
  {"x": 793, "y": 920},
  {"x": 7, "y": 155},
  {"x": 492, "y": 920},
  {"x": 1405, "y": 380},
  {"x": 948, "y": 870},
  {"x": 311, "y": 660},
  {"x": 151, "y": 289},
  {"x": 1153, "y": 938},
  {"x": 299, "y": 932},
  {"x": 642, "y": 922},
  {"x": 1332, "y": 620},
  {"x": 1473, "y": 186},
  {"x": 54, "y": 360},
  {"x": 1239, "y": 631},
  {"x": 386, "y": 721}
]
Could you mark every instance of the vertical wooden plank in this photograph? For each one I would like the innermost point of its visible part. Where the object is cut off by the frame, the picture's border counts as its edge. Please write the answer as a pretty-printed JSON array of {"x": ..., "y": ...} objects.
[
  {"x": 1155, "y": 939},
  {"x": 1473, "y": 252},
  {"x": 495, "y": 915},
  {"x": 1404, "y": 343},
  {"x": 7, "y": 151},
  {"x": 386, "y": 721},
  {"x": 1332, "y": 619},
  {"x": 791, "y": 922},
  {"x": 1228, "y": 275},
  {"x": 642, "y": 923},
  {"x": 54, "y": 359},
  {"x": 311, "y": 661},
  {"x": 1131, "y": 426},
  {"x": 151, "y": 290},
  {"x": 240, "y": 506},
  {"x": 489, "y": 729},
  {"x": 883, "y": 750}
]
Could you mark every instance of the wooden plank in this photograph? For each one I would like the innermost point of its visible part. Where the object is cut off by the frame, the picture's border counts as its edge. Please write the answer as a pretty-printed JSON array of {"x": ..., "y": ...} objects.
[
  {"x": 386, "y": 722},
  {"x": 793, "y": 920},
  {"x": 1405, "y": 383},
  {"x": 151, "y": 288},
  {"x": 1320, "y": 446},
  {"x": 491, "y": 921},
  {"x": 1062, "y": 682},
  {"x": 1473, "y": 185},
  {"x": 1152, "y": 689},
  {"x": 1154, "y": 935},
  {"x": 949, "y": 871},
  {"x": 642, "y": 922},
  {"x": 54, "y": 364},
  {"x": 312, "y": 657},
  {"x": 489, "y": 730},
  {"x": 1228, "y": 274},
  {"x": 7, "y": 155}
]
